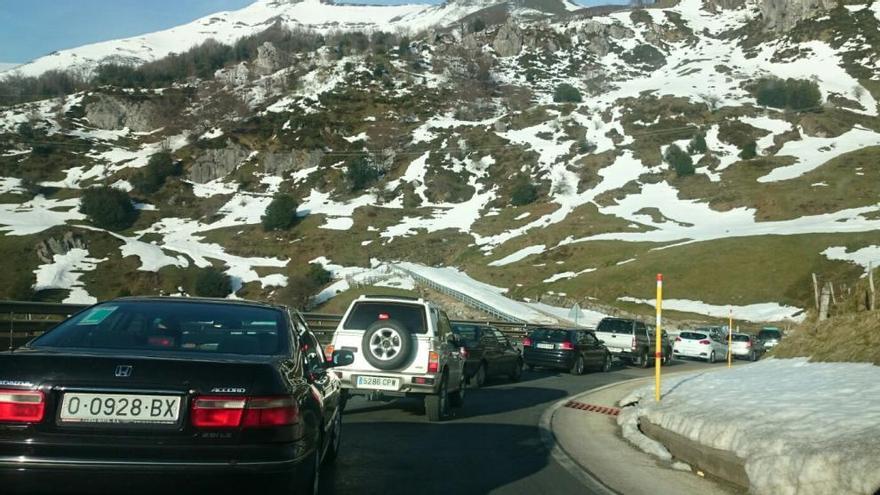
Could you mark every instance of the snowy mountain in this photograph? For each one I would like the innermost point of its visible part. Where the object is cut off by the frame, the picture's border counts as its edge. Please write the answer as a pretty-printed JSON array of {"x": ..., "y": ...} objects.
[
  {"x": 563, "y": 159},
  {"x": 6, "y": 66},
  {"x": 316, "y": 15}
]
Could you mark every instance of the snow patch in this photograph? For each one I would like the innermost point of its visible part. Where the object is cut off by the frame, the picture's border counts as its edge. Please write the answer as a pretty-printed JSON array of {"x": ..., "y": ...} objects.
[{"x": 753, "y": 312}]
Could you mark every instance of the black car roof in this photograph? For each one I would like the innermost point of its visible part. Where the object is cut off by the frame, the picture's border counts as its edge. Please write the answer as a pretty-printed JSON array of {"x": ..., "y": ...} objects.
[{"x": 203, "y": 300}]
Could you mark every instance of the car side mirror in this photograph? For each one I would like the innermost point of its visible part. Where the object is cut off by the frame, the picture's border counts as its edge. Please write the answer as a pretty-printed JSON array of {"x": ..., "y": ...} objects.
[{"x": 341, "y": 358}]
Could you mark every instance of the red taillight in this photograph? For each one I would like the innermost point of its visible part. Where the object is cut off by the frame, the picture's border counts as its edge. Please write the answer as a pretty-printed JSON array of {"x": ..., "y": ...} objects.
[
  {"x": 433, "y": 362},
  {"x": 463, "y": 351},
  {"x": 247, "y": 412},
  {"x": 567, "y": 346},
  {"x": 527, "y": 342},
  {"x": 635, "y": 343},
  {"x": 678, "y": 339},
  {"x": 384, "y": 316},
  {"x": 705, "y": 342},
  {"x": 22, "y": 406}
]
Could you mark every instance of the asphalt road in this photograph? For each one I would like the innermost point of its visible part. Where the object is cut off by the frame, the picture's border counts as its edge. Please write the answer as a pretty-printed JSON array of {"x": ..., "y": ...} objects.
[{"x": 492, "y": 445}]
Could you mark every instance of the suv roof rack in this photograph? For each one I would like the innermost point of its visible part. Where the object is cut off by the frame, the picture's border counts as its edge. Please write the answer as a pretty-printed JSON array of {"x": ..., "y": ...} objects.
[{"x": 389, "y": 296}]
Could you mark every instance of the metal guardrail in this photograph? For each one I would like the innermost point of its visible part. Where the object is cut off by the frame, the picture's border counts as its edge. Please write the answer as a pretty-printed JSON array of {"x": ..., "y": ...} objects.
[{"x": 23, "y": 321}]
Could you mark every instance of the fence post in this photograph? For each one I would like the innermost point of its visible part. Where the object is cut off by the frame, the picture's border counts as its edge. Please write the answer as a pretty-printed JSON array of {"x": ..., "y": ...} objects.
[
  {"x": 816, "y": 291},
  {"x": 824, "y": 302},
  {"x": 872, "y": 304}
]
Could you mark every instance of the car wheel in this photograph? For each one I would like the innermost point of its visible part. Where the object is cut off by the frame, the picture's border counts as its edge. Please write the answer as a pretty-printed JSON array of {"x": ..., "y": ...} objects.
[
  {"x": 578, "y": 367},
  {"x": 335, "y": 440},
  {"x": 479, "y": 378},
  {"x": 437, "y": 405},
  {"x": 516, "y": 373},
  {"x": 753, "y": 356},
  {"x": 643, "y": 359},
  {"x": 711, "y": 358},
  {"x": 387, "y": 344},
  {"x": 456, "y": 399},
  {"x": 606, "y": 363}
]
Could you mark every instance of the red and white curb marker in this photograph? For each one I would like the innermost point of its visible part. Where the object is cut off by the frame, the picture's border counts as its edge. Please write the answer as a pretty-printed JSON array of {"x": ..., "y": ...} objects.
[{"x": 611, "y": 411}]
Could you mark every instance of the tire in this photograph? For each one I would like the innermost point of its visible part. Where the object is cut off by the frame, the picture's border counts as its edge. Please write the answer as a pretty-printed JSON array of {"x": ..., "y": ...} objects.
[
  {"x": 606, "y": 363},
  {"x": 711, "y": 358},
  {"x": 387, "y": 345},
  {"x": 306, "y": 483},
  {"x": 643, "y": 359},
  {"x": 753, "y": 356},
  {"x": 456, "y": 399},
  {"x": 479, "y": 378},
  {"x": 516, "y": 373},
  {"x": 437, "y": 405},
  {"x": 333, "y": 449},
  {"x": 577, "y": 368}
]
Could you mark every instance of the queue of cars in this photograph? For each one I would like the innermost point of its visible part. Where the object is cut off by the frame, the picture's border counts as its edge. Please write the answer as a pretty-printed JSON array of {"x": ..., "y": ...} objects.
[{"x": 140, "y": 386}]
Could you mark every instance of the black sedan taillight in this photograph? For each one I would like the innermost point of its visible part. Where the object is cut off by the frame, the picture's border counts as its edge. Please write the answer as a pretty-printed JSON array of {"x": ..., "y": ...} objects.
[
  {"x": 22, "y": 406},
  {"x": 249, "y": 412}
]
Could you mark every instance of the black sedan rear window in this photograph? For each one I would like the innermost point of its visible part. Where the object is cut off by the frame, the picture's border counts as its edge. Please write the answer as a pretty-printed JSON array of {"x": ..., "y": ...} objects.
[
  {"x": 551, "y": 335},
  {"x": 172, "y": 326},
  {"x": 365, "y": 314},
  {"x": 470, "y": 334}
]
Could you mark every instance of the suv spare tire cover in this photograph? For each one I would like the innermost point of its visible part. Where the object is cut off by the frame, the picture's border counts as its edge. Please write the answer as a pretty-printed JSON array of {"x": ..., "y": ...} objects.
[{"x": 387, "y": 344}]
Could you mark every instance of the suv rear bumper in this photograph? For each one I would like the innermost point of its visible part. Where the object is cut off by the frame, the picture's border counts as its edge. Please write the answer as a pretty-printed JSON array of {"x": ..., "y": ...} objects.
[{"x": 407, "y": 385}]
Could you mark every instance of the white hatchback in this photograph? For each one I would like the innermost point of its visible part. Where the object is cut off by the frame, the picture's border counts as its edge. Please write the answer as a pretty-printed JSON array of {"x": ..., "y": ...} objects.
[{"x": 700, "y": 345}]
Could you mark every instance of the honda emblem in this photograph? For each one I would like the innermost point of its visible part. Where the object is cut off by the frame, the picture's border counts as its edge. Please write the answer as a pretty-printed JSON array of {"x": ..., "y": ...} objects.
[{"x": 123, "y": 371}]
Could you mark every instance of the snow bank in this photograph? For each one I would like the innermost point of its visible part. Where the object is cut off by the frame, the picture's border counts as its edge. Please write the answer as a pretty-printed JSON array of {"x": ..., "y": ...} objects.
[
  {"x": 64, "y": 273},
  {"x": 519, "y": 255},
  {"x": 802, "y": 428},
  {"x": 753, "y": 312},
  {"x": 866, "y": 257}
]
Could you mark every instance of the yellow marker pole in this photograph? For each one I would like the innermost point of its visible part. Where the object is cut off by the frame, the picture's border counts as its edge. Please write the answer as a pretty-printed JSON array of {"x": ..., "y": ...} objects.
[
  {"x": 730, "y": 339},
  {"x": 658, "y": 350}
]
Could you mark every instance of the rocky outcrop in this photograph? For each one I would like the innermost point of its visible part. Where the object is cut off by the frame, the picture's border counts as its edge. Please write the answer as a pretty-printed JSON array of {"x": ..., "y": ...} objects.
[
  {"x": 48, "y": 248},
  {"x": 237, "y": 75},
  {"x": 216, "y": 163},
  {"x": 115, "y": 113},
  {"x": 280, "y": 163},
  {"x": 269, "y": 59},
  {"x": 509, "y": 40},
  {"x": 782, "y": 15},
  {"x": 598, "y": 35}
]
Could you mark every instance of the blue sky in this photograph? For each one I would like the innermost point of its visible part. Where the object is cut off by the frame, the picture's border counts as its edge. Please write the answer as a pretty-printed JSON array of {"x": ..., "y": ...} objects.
[{"x": 32, "y": 28}]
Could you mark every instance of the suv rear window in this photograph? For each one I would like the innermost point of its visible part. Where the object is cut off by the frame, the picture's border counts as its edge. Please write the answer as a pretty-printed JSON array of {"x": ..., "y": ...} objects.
[
  {"x": 365, "y": 314},
  {"x": 693, "y": 335},
  {"x": 769, "y": 334},
  {"x": 551, "y": 335},
  {"x": 613, "y": 325}
]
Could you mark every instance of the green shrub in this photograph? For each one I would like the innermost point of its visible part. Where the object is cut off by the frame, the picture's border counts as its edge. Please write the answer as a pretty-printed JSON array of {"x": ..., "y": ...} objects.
[
  {"x": 281, "y": 213},
  {"x": 679, "y": 160},
  {"x": 318, "y": 275},
  {"x": 566, "y": 93},
  {"x": 524, "y": 192},
  {"x": 698, "y": 145},
  {"x": 108, "y": 208},
  {"x": 211, "y": 282},
  {"x": 792, "y": 94},
  {"x": 153, "y": 176},
  {"x": 361, "y": 173},
  {"x": 645, "y": 55},
  {"x": 749, "y": 151}
]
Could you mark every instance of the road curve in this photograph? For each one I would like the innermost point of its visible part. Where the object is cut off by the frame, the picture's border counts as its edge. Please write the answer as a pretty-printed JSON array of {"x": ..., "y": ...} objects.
[{"x": 493, "y": 445}]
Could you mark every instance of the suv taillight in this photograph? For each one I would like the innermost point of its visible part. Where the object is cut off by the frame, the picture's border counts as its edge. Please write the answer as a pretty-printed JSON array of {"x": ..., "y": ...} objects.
[
  {"x": 678, "y": 339},
  {"x": 527, "y": 342},
  {"x": 566, "y": 346},
  {"x": 249, "y": 412},
  {"x": 635, "y": 343},
  {"x": 22, "y": 406},
  {"x": 433, "y": 362}
]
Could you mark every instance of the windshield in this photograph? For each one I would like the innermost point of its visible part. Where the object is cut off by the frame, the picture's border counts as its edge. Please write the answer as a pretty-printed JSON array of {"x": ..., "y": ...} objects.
[
  {"x": 738, "y": 337},
  {"x": 692, "y": 335},
  {"x": 613, "y": 325},
  {"x": 172, "y": 326},
  {"x": 469, "y": 334},
  {"x": 364, "y": 314}
]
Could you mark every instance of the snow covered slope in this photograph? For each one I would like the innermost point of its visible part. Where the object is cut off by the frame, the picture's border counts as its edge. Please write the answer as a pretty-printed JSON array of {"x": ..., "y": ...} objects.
[{"x": 227, "y": 27}]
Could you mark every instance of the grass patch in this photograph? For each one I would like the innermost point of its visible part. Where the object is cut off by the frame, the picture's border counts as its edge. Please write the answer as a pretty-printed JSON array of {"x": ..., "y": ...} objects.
[{"x": 847, "y": 338}]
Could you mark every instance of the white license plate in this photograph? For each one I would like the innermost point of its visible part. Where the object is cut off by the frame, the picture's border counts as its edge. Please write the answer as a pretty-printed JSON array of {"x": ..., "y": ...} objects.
[
  {"x": 120, "y": 408},
  {"x": 546, "y": 346},
  {"x": 378, "y": 383},
  {"x": 616, "y": 350}
]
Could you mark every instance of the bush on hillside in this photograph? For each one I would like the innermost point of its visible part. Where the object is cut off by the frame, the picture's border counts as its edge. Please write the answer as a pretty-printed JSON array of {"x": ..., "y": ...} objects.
[
  {"x": 566, "y": 93},
  {"x": 749, "y": 151},
  {"x": 524, "y": 192},
  {"x": 153, "y": 176},
  {"x": 698, "y": 145},
  {"x": 792, "y": 94},
  {"x": 680, "y": 161},
  {"x": 211, "y": 282},
  {"x": 108, "y": 208},
  {"x": 318, "y": 275},
  {"x": 361, "y": 173},
  {"x": 281, "y": 213}
]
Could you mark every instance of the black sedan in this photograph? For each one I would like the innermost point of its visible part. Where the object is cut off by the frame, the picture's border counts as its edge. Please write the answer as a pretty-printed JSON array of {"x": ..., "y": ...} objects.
[
  {"x": 573, "y": 350},
  {"x": 164, "y": 388},
  {"x": 489, "y": 353}
]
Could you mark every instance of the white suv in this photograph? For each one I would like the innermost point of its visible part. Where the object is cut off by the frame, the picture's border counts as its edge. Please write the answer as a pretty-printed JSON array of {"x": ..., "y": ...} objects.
[{"x": 402, "y": 347}]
